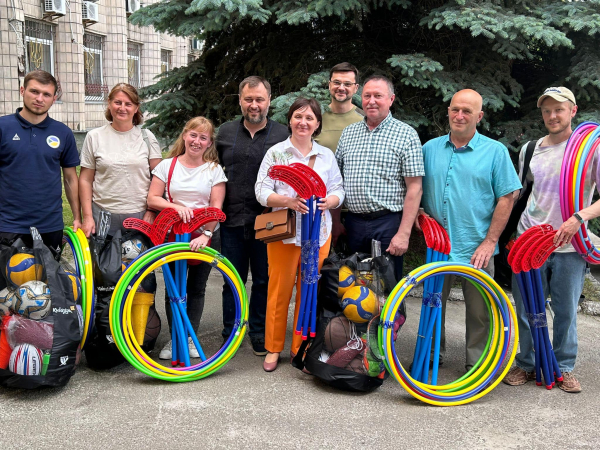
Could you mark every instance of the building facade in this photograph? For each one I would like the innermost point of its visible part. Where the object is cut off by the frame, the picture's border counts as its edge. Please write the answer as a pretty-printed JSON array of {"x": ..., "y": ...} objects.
[{"x": 88, "y": 46}]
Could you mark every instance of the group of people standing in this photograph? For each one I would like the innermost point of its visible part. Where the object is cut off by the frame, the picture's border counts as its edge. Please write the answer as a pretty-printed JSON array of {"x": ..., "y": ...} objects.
[{"x": 379, "y": 179}]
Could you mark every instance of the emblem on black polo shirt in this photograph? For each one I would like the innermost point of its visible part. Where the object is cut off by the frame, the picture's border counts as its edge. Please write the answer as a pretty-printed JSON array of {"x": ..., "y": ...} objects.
[{"x": 53, "y": 141}]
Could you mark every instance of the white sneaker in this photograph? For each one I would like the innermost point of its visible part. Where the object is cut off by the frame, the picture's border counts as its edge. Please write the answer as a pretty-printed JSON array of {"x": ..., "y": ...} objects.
[
  {"x": 166, "y": 352},
  {"x": 192, "y": 348}
]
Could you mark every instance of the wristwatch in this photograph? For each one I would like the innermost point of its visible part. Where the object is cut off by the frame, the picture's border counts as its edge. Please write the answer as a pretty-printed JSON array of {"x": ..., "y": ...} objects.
[{"x": 208, "y": 233}]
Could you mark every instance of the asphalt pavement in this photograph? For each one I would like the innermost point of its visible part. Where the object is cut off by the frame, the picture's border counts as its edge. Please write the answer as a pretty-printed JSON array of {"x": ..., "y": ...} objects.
[{"x": 241, "y": 406}]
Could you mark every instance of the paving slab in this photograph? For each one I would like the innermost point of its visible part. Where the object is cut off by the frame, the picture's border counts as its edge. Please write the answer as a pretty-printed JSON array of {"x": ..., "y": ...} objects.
[{"x": 241, "y": 406}]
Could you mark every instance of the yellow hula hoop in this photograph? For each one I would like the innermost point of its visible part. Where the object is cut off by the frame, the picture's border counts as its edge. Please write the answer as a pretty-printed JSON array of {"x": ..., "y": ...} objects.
[
  {"x": 440, "y": 395},
  {"x": 129, "y": 336},
  {"x": 87, "y": 273}
]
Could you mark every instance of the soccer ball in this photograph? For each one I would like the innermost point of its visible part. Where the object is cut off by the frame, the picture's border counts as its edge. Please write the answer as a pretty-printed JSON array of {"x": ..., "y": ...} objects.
[
  {"x": 33, "y": 300},
  {"x": 26, "y": 359},
  {"x": 76, "y": 285},
  {"x": 359, "y": 304},
  {"x": 22, "y": 268},
  {"x": 131, "y": 249},
  {"x": 346, "y": 280},
  {"x": 7, "y": 298}
]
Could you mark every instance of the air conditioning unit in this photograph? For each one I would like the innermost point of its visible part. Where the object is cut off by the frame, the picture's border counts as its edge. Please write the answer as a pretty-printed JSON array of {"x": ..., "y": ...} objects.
[
  {"x": 132, "y": 6},
  {"x": 90, "y": 12},
  {"x": 196, "y": 44},
  {"x": 56, "y": 7}
]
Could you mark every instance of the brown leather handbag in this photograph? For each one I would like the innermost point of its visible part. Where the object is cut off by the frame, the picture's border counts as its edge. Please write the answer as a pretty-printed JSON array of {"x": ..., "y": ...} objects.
[{"x": 275, "y": 226}]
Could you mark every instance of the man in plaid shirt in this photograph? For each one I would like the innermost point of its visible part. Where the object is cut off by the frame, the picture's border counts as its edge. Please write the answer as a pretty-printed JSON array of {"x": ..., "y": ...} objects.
[{"x": 381, "y": 160}]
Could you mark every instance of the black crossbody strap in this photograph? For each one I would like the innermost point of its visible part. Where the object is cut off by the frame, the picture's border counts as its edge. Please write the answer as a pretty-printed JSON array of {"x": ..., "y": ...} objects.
[{"x": 527, "y": 160}]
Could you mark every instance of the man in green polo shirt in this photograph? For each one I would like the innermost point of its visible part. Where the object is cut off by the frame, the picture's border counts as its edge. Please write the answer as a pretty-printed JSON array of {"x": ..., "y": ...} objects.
[{"x": 343, "y": 84}]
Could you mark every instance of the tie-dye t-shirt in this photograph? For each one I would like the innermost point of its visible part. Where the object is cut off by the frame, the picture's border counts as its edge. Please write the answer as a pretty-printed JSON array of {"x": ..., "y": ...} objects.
[{"x": 543, "y": 206}]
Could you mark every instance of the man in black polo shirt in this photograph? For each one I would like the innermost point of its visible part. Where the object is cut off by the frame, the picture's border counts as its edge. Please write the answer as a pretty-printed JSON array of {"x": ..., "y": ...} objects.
[
  {"x": 33, "y": 148},
  {"x": 241, "y": 145}
]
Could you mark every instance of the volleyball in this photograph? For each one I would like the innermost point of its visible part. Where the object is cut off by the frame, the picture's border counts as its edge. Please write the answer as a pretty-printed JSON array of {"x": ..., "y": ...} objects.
[
  {"x": 346, "y": 280},
  {"x": 359, "y": 304},
  {"x": 75, "y": 285},
  {"x": 25, "y": 359},
  {"x": 131, "y": 249},
  {"x": 22, "y": 268},
  {"x": 6, "y": 301},
  {"x": 33, "y": 300}
]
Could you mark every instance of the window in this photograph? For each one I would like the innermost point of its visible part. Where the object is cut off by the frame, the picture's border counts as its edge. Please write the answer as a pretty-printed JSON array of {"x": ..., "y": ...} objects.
[
  {"x": 195, "y": 48},
  {"x": 165, "y": 61},
  {"x": 95, "y": 89},
  {"x": 196, "y": 45},
  {"x": 134, "y": 53},
  {"x": 39, "y": 46}
]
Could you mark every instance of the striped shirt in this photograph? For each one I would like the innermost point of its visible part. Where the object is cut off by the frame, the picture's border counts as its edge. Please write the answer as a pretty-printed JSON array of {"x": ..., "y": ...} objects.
[{"x": 374, "y": 164}]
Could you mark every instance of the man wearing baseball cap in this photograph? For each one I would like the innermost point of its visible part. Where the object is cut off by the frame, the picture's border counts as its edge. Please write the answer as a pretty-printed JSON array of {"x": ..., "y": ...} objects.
[{"x": 564, "y": 271}]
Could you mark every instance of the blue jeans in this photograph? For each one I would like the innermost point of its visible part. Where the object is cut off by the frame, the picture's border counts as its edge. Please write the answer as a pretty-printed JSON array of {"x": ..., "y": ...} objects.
[
  {"x": 361, "y": 231},
  {"x": 562, "y": 279},
  {"x": 245, "y": 252}
]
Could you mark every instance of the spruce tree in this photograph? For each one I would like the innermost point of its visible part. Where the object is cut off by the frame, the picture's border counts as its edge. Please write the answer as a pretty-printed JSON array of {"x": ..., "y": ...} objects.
[{"x": 509, "y": 51}]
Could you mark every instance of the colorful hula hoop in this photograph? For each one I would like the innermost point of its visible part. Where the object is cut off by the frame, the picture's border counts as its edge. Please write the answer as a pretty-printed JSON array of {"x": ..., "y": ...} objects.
[
  {"x": 83, "y": 266},
  {"x": 579, "y": 154},
  {"x": 479, "y": 380},
  {"x": 122, "y": 299}
]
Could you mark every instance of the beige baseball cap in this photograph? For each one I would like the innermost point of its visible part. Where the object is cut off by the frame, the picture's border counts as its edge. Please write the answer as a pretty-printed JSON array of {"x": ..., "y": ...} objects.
[{"x": 561, "y": 94}]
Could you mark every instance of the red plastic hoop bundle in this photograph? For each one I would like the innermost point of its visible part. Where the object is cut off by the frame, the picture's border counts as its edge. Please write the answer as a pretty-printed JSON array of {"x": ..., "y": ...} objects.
[
  {"x": 529, "y": 252},
  {"x": 307, "y": 183}
]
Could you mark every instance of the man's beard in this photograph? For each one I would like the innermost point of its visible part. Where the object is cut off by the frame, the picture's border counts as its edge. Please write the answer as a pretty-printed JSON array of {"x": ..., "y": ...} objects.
[
  {"x": 347, "y": 99},
  {"x": 560, "y": 130},
  {"x": 258, "y": 119}
]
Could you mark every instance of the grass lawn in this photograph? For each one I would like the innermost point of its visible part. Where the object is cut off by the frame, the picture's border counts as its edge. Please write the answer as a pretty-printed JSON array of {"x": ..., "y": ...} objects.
[{"x": 67, "y": 213}]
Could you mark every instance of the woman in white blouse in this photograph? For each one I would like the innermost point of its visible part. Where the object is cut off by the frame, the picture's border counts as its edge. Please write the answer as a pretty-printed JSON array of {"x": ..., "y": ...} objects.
[
  {"x": 196, "y": 181},
  {"x": 304, "y": 122}
]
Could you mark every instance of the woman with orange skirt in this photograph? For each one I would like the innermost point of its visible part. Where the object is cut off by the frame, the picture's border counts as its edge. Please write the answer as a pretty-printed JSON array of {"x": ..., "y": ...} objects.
[{"x": 304, "y": 122}]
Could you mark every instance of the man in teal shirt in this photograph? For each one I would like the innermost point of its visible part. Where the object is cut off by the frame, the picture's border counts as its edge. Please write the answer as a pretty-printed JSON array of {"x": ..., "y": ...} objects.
[{"x": 468, "y": 188}]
